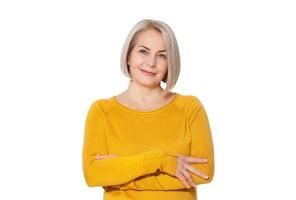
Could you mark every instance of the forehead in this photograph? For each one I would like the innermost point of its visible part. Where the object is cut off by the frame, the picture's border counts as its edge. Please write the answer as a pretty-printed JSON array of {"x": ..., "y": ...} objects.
[{"x": 151, "y": 39}]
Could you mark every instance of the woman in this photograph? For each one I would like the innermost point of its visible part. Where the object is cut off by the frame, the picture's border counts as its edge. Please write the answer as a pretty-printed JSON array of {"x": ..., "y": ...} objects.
[{"x": 148, "y": 142}]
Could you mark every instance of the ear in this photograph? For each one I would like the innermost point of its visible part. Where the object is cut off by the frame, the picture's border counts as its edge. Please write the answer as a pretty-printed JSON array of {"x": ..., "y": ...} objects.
[{"x": 128, "y": 58}]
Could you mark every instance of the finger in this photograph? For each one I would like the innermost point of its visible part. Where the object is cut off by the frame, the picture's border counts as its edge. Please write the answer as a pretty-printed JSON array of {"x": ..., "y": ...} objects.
[
  {"x": 98, "y": 156},
  {"x": 192, "y": 160},
  {"x": 182, "y": 178},
  {"x": 188, "y": 177},
  {"x": 197, "y": 172}
]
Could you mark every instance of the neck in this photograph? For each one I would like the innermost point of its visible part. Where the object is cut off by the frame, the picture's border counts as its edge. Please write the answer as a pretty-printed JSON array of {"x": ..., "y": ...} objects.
[{"x": 141, "y": 93}]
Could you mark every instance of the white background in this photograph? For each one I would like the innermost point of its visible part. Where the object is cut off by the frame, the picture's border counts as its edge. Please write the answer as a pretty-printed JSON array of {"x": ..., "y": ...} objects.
[{"x": 58, "y": 56}]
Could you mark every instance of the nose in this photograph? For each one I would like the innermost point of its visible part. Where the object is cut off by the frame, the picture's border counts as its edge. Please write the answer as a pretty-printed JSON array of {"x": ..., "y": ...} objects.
[{"x": 151, "y": 60}]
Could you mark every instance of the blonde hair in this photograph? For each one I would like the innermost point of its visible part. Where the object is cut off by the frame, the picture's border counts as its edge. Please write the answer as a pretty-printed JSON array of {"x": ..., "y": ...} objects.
[{"x": 173, "y": 55}]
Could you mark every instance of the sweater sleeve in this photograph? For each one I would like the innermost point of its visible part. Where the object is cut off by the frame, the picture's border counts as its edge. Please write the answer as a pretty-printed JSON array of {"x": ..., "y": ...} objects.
[
  {"x": 201, "y": 146},
  {"x": 156, "y": 181},
  {"x": 202, "y": 142},
  {"x": 121, "y": 169}
]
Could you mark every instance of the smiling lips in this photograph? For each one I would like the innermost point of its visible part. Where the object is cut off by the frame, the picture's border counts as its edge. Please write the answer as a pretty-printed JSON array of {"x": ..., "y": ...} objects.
[{"x": 148, "y": 73}]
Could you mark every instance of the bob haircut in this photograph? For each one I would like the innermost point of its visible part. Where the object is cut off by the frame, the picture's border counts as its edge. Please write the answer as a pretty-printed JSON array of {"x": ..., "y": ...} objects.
[{"x": 173, "y": 55}]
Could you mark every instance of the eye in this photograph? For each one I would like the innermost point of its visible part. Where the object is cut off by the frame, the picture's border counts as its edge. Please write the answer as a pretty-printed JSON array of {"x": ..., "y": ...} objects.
[
  {"x": 162, "y": 56},
  {"x": 143, "y": 51}
]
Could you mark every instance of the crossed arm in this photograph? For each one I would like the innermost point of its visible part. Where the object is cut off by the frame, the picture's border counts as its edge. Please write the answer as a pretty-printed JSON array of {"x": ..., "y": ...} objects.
[{"x": 150, "y": 170}]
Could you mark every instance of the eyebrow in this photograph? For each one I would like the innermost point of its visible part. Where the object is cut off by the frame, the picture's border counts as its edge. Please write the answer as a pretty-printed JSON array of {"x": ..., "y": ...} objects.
[{"x": 149, "y": 49}]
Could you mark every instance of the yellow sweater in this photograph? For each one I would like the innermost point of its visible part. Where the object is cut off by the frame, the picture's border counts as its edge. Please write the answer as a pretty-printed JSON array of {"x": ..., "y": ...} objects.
[{"x": 147, "y": 144}]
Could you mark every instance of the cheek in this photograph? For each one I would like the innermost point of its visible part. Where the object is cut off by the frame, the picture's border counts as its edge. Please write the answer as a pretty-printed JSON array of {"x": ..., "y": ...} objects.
[
  {"x": 136, "y": 60},
  {"x": 164, "y": 67}
]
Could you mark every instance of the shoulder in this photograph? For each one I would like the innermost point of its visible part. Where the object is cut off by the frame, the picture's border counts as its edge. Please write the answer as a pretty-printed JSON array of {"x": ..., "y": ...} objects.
[
  {"x": 192, "y": 105},
  {"x": 102, "y": 105},
  {"x": 190, "y": 101}
]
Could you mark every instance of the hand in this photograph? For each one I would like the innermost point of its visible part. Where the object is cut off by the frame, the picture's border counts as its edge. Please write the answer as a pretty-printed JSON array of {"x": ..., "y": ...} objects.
[
  {"x": 99, "y": 157},
  {"x": 184, "y": 168}
]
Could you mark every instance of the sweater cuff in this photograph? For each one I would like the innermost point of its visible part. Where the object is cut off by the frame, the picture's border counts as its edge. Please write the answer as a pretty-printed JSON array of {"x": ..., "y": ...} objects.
[
  {"x": 169, "y": 164},
  {"x": 159, "y": 160}
]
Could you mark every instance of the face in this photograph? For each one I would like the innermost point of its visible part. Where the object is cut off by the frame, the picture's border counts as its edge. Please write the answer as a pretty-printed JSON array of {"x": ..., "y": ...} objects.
[{"x": 148, "y": 59}]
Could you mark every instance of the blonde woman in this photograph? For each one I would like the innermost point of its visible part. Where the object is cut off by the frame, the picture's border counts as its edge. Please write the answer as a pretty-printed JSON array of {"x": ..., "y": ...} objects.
[{"x": 148, "y": 142}]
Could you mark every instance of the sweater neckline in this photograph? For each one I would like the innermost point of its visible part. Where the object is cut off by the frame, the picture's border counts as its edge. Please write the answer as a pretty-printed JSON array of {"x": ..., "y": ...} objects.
[{"x": 172, "y": 102}]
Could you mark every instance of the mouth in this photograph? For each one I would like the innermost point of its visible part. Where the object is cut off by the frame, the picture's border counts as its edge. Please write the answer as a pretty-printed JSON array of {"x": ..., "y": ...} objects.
[{"x": 148, "y": 73}]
